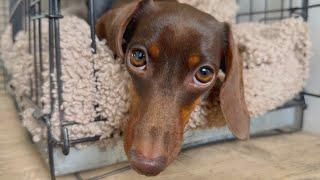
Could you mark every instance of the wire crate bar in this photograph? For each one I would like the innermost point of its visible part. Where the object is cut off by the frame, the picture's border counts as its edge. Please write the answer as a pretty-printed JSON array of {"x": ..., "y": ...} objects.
[{"x": 61, "y": 152}]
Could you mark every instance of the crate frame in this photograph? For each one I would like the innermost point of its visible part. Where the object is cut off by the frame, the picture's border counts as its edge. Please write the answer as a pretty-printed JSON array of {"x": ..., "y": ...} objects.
[{"x": 33, "y": 15}]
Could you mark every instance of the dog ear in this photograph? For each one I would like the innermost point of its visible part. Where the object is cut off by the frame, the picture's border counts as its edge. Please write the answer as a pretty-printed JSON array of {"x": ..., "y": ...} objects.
[
  {"x": 232, "y": 100},
  {"x": 116, "y": 25}
]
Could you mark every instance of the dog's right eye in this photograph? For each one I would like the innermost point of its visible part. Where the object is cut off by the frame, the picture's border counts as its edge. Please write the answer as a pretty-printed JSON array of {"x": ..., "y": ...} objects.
[
  {"x": 204, "y": 74},
  {"x": 138, "y": 58}
]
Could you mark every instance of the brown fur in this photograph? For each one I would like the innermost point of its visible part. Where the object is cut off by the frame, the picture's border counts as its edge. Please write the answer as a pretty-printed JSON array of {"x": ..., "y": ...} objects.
[{"x": 164, "y": 93}]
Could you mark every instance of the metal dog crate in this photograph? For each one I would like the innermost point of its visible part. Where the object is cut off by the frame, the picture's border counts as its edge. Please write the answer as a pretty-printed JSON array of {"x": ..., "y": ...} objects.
[
  {"x": 4, "y": 20},
  {"x": 61, "y": 155},
  {"x": 4, "y": 10}
]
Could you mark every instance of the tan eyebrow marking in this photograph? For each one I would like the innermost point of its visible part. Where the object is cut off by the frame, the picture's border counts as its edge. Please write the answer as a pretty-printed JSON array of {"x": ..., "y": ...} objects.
[
  {"x": 193, "y": 60},
  {"x": 154, "y": 50}
]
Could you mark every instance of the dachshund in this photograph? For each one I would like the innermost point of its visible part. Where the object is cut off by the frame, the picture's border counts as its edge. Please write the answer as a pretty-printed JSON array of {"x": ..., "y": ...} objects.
[{"x": 173, "y": 53}]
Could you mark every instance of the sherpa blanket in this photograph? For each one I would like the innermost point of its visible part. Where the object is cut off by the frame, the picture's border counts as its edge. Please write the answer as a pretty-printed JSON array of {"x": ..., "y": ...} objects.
[{"x": 275, "y": 69}]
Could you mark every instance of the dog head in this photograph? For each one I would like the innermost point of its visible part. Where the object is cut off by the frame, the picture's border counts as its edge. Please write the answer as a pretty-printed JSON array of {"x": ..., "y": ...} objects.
[{"x": 173, "y": 53}]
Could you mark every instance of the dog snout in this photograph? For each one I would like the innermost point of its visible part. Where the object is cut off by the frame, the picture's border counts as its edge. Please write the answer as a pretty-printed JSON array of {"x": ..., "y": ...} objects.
[{"x": 147, "y": 166}]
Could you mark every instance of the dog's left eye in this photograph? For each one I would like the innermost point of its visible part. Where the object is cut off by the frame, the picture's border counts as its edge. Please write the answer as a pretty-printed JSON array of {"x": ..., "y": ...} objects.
[
  {"x": 138, "y": 58},
  {"x": 204, "y": 74}
]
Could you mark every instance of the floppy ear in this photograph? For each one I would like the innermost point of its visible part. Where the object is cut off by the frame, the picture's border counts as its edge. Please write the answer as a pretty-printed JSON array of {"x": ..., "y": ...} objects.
[
  {"x": 113, "y": 25},
  {"x": 232, "y": 100}
]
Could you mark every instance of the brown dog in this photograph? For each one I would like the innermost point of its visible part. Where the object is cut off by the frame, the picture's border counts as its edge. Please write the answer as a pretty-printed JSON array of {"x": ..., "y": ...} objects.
[{"x": 173, "y": 53}]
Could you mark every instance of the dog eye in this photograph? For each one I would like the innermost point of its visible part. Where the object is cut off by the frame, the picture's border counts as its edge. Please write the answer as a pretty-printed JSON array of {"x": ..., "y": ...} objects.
[
  {"x": 204, "y": 74},
  {"x": 138, "y": 58}
]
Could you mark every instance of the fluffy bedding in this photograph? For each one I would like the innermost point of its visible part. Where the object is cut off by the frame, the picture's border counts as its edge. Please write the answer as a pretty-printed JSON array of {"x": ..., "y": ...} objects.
[
  {"x": 96, "y": 85},
  {"x": 222, "y": 10}
]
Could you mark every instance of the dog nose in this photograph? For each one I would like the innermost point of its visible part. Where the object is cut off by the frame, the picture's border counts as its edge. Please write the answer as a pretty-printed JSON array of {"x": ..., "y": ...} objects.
[{"x": 147, "y": 166}]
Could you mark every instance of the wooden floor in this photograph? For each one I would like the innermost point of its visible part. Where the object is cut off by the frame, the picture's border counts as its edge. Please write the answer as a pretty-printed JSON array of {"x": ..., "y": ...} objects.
[{"x": 294, "y": 156}]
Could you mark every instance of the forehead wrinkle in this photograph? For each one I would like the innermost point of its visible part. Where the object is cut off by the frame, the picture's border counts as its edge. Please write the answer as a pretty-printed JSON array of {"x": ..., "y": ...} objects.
[
  {"x": 179, "y": 39},
  {"x": 184, "y": 18}
]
